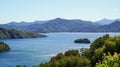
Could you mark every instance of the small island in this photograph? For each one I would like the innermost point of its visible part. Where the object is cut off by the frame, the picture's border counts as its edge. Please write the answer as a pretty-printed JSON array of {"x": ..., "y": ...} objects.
[
  {"x": 83, "y": 40},
  {"x": 4, "y": 47}
]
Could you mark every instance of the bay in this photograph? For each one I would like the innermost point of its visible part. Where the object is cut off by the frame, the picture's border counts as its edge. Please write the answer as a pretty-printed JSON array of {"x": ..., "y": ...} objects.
[{"x": 33, "y": 51}]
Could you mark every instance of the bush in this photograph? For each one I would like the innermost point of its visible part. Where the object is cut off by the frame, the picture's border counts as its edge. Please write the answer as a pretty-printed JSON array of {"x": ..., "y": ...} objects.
[
  {"x": 110, "y": 61},
  {"x": 70, "y": 58}
]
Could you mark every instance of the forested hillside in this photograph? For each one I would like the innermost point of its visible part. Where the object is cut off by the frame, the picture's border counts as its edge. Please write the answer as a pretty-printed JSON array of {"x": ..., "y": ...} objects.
[
  {"x": 4, "y": 47},
  {"x": 15, "y": 34}
]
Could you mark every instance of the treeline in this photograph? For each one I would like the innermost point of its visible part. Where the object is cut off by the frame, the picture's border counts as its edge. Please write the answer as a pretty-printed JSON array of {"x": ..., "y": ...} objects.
[
  {"x": 14, "y": 34},
  {"x": 103, "y": 52}
]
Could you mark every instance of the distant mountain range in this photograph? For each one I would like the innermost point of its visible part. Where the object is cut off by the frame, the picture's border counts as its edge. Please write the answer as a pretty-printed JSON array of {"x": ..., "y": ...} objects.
[
  {"x": 113, "y": 27},
  {"x": 104, "y": 21},
  {"x": 65, "y": 25},
  {"x": 25, "y": 23}
]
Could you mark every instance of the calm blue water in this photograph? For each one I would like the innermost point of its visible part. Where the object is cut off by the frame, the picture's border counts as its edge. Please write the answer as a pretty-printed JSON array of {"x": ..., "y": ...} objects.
[{"x": 33, "y": 51}]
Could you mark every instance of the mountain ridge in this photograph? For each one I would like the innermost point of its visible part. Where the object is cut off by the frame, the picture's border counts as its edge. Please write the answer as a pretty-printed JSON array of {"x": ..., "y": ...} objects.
[
  {"x": 61, "y": 25},
  {"x": 104, "y": 21}
]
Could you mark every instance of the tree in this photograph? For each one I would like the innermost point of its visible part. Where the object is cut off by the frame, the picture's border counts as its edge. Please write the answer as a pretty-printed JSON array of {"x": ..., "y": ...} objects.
[
  {"x": 70, "y": 58},
  {"x": 110, "y": 61}
]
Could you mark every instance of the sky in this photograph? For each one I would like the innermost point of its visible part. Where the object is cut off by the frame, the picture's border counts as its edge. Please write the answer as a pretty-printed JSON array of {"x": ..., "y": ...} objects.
[{"x": 32, "y": 10}]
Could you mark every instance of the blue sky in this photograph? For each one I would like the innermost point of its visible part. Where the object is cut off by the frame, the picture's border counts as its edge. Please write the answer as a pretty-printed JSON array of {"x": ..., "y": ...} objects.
[{"x": 32, "y": 10}]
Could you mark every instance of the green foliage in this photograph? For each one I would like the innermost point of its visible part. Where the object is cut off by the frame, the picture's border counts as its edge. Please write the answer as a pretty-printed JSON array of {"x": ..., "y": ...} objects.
[
  {"x": 57, "y": 57},
  {"x": 67, "y": 53},
  {"x": 110, "y": 61},
  {"x": 71, "y": 61},
  {"x": 14, "y": 34},
  {"x": 71, "y": 58},
  {"x": 18, "y": 65},
  {"x": 100, "y": 46},
  {"x": 97, "y": 49},
  {"x": 85, "y": 52},
  {"x": 99, "y": 42},
  {"x": 72, "y": 53}
]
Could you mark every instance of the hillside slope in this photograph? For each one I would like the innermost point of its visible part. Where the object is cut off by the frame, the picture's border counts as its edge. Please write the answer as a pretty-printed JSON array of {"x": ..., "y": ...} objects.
[{"x": 15, "y": 34}]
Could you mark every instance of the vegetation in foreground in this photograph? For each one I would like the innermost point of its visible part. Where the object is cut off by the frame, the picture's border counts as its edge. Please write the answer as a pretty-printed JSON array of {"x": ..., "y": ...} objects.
[
  {"x": 4, "y": 47},
  {"x": 103, "y": 52},
  {"x": 15, "y": 34}
]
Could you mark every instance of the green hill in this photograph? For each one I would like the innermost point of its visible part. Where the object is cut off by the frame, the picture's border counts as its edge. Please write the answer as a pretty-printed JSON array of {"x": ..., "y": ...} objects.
[
  {"x": 4, "y": 47},
  {"x": 16, "y": 34}
]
